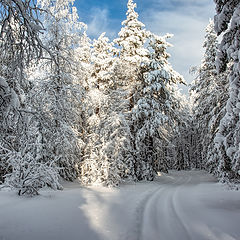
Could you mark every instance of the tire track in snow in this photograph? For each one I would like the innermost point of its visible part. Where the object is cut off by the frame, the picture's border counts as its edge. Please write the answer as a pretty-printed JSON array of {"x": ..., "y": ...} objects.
[
  {"x": 143, "y": 208},
  {"x": 160, "y": 218},
  {"x": 175, "y": 209},
  {"x": 133, "y": 233}
]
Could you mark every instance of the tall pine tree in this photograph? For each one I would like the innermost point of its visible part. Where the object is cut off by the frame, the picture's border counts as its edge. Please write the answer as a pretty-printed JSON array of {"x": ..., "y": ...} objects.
[
  {"x": 154, "y": 112},
  {"x": 227, "y": 21}
]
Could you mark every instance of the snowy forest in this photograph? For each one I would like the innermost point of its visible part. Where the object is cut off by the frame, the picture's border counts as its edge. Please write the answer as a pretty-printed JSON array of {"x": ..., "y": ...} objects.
[{"x": 111, "y": 111}]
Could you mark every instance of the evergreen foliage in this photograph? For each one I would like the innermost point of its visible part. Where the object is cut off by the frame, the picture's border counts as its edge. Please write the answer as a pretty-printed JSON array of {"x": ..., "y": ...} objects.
[
  {"x": 227, "y": 21},
  {"x": 106, "y": 111},
  {"x": 210, "y": 94},
  {"x": 154, "y": 111}
]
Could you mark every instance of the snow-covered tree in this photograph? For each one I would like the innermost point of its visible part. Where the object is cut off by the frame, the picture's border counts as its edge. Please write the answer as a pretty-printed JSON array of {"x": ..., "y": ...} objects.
[
  {"x": 227, "y": 21},
  {"x": 210, "y": 96},
  {"x": 180, "y": 145},
  {"x": 20, "y": 28},
  {"x": 29, "y": 169},
  {"x": 114, "y": 82},
  {"x": 19, "y": 44},
  {"x": 103, "y": 63},
  {"x": 106, "y": 157},
  {"x": 131, "y": 53},
  {"x": 131, "y": 40},
  {"x": 218, "y": 111},
  {"x": 95, "y": 167},
  {"x": 204, "y": 97},
  {"x": 47, "y": 129},
  {"x": 154, "y": 112},
  {"x": 57, "y": 94},
  {"x": 132, "y": 36}
]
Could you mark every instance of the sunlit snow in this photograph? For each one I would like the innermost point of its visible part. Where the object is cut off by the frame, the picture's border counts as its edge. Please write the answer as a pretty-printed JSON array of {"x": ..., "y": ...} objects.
[{"x": 176, "y": 206}]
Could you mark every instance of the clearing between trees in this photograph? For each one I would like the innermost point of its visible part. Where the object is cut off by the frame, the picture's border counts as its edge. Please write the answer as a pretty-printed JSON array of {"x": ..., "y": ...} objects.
[{"x": 176, "y": 206}]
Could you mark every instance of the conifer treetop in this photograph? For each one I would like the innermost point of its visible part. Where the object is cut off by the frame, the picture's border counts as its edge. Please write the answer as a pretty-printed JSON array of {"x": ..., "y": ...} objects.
[
  {"x": 159, "y": 59},
  {"x": 208, "y": 65},
  {"x": 132, "y": 16},
  {"x": 133, "y": 35}
]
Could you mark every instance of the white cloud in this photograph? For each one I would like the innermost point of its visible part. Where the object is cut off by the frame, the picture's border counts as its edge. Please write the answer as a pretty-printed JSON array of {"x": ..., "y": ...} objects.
[{"x": 99, "y": 23}]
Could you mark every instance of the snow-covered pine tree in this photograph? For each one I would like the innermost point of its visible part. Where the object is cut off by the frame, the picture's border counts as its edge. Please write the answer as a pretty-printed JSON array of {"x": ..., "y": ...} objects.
[
  {"x": 95, "y": 167},
  {"x": 154, "y": 113},
  {"x": 180, "y": 149},
  {"x": 112, "y": 88},
  {"x": 132, "y": 52},
  {"x": 227, "y": 21},
  {"x": 103, "y": 63},
  {"x": 220, "y": 96},
  {"x": 57, "y": 94},
  {"x": 106, "y": 159},
  {"x": 204, "y": 97},
  {"x": 210, "y": 100}
]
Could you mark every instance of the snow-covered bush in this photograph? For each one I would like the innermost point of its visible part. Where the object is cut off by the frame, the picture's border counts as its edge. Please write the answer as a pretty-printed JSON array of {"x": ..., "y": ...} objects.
[
  {"x": 29, "y": 176},
  {"x": 28, "y": 167}
]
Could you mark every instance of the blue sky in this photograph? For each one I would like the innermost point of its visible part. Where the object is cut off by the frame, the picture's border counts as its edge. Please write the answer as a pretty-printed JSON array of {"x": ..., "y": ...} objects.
[{"x": 186, "y": 19}]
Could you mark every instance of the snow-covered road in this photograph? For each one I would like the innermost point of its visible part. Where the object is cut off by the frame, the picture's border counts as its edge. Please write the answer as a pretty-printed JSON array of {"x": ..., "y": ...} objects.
[
  {"x": 177, "y": 206},
  {"x": 190, "y": 206}
]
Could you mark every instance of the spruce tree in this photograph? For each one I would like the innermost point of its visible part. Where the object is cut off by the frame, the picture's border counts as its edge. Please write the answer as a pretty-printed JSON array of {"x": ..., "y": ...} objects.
[
  {"x": 129, "y": 56},
  {"x": 154, "y": 111},
  {"x": 204, "y": 87},
  {"x": 228, "y": 136},
  {"x": 210, "y": 100},
  {"x": 132, "y": 52},
  {"x": 106, "y": 158},
  {"x": 99, "y": 164}
]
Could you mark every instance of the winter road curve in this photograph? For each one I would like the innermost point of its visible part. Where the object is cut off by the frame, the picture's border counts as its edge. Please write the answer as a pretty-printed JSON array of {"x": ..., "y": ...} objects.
[
  {"x": 186, "y": 205},
  {"x": 163, "y": 205},
  {"x": 181, "y": 209}
]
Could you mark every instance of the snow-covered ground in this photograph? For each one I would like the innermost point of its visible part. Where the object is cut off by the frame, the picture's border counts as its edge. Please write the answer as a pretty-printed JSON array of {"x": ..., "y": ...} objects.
[{"x": 177, "y": 206}]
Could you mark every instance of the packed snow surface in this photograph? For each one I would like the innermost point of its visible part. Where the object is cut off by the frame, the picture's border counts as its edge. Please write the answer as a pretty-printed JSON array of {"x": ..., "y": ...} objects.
[{"x": 177, "y": 206}]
